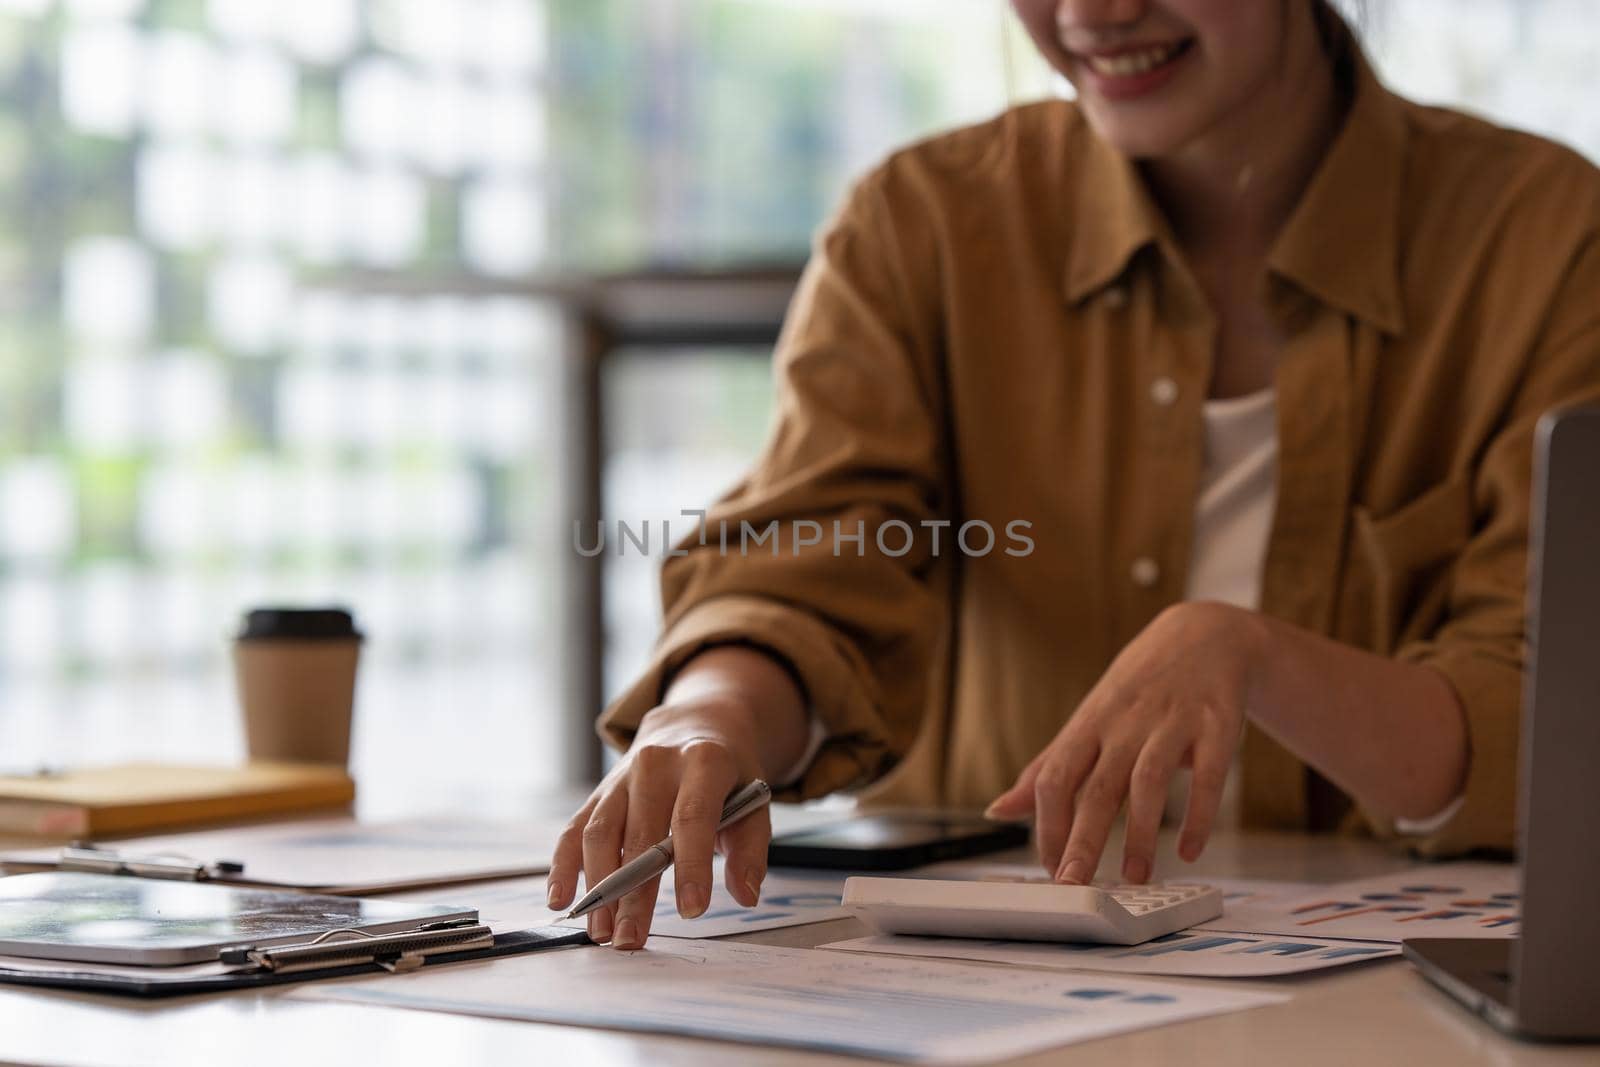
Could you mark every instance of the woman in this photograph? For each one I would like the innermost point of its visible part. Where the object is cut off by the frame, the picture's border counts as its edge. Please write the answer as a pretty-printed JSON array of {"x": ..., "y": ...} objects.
[{"x": 1252, "y": 351}]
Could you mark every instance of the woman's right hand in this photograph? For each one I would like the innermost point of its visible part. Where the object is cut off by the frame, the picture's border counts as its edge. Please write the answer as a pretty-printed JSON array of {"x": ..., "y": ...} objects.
[{"x": 689, "y": 754}]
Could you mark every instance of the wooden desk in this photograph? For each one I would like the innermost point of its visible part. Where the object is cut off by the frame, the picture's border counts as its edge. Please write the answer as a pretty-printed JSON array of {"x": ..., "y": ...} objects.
[{"x": 1368, "y": 1014}]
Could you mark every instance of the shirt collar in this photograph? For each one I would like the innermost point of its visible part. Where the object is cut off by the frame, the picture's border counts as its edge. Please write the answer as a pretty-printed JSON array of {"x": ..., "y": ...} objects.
[
  {"x": 1340, "y": 245},
  {"x": 1114, "y": 216}
]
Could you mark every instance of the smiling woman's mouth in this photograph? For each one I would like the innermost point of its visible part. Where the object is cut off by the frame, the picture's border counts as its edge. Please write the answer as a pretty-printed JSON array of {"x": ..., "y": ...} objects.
[
  {"x": 1136, "y": 61},
  {"x": 1135, "y": 71}
]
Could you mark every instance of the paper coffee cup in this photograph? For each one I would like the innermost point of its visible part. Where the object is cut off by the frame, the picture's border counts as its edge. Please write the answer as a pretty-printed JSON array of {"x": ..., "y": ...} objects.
[{"x": 296, "y": 675}]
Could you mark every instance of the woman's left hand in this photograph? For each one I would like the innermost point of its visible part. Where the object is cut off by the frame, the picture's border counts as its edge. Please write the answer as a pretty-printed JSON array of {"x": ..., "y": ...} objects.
[{"x": 1176, "y": 696}]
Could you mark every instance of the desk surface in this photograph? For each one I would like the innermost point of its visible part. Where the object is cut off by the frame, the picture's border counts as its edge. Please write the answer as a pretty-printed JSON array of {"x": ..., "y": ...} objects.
[{"x": 1372, "y": 1013}]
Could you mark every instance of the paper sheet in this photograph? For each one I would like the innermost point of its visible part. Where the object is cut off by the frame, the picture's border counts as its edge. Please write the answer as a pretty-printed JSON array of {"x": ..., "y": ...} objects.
[
  {"x": 1436, "y": 900},
  {"x": 918, "y": 1011},
  {"x": 345, "y": 857},
  {"x": 789, "y": 898},
  {"x": 1192, "y": 954}
]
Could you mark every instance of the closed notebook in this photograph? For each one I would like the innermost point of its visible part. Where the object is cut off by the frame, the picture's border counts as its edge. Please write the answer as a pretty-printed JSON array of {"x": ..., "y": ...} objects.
[{"x": 132, "y": 797}]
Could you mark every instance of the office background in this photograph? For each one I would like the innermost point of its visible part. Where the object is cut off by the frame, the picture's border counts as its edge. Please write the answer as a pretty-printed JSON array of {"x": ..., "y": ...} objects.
[{"x": 265, "y": 334}]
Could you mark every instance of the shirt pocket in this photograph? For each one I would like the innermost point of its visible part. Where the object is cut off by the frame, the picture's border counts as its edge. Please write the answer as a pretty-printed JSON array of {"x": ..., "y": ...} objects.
[{"x": 1396, "y": 583}]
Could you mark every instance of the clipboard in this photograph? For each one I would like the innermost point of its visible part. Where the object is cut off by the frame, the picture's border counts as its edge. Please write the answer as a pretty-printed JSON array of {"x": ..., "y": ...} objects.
[
  {"x": 336, "y": 857},
  {"x": 336, "y": 954}
]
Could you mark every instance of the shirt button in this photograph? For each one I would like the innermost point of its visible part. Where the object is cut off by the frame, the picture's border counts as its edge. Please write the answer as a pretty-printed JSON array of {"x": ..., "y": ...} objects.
[
  {"x": 1145, "y": 572},
  {"x": 1164, "y": 391},
  {"x": 1117, "y": 297}
]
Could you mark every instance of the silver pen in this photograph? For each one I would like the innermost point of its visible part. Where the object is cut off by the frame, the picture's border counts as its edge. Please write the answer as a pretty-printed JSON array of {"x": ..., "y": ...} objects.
[{"x": 657, "y": 858}]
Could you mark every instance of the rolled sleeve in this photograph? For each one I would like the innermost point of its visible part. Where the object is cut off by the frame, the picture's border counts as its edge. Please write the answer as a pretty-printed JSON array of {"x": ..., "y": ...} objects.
[
  {"x": 1480, "y": 648},
  {"x": 855, "y": 746},
  {"x": 1490, "y": 692},
  {"x": 857, "y": 446}
]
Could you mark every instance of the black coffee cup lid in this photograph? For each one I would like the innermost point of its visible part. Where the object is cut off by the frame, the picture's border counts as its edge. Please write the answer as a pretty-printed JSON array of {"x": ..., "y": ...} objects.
[{"x": 304, "y": 624}]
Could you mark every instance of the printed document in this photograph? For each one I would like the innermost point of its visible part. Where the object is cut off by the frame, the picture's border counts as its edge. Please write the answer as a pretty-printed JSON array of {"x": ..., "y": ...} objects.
[
  {"x": 917, "y": 1011},
  {"x": 1436, "y": 900},
  {"x": 1191, "y": 953},
  {"x": 343, "y": 857},
  {"x": 789, "y": 898}
]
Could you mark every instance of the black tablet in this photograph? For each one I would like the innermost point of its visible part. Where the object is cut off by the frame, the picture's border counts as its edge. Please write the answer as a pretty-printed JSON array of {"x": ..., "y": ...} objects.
[{"x": 893, "y": 842}]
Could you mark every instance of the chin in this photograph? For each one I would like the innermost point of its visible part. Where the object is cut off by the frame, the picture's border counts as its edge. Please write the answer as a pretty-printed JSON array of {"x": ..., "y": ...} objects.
[
  {"x": 1138, "y": 140},
  {"x": 1151, "y": 134}
]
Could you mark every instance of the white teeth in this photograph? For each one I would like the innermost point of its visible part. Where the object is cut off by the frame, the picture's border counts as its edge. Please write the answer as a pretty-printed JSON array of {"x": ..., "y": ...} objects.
[{"x": 1129, "y": 64}]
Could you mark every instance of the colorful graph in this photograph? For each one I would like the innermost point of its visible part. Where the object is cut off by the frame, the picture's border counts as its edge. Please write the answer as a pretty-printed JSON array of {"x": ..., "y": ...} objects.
[
  {"x": 1467, "y": 899},
  {"x": 1116, "y": 994},
  {"x": 1248, "y": 946},
  {"x": 1411, "y": 904},
  {"x": 1341, "y": 909},
  {"x": 779, "y": 906}
]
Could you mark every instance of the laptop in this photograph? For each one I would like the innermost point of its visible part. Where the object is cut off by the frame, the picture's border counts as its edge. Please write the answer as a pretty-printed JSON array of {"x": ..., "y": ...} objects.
[{"x": 1546, "y": 983}]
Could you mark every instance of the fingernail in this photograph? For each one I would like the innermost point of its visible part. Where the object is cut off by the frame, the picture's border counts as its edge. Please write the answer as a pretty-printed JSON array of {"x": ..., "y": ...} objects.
[
  {"x": 600, "y": 926},
  {"x": 692, "y": 899},
  {"x": 993, "y": 808},
  {"x": 1076, "y": 872},
  {"x": 752, "y": 883},
  {"x": 552, "y": 895},
  {"x": 1135, "y": 869},
  {"x": 627, "y": 934}
]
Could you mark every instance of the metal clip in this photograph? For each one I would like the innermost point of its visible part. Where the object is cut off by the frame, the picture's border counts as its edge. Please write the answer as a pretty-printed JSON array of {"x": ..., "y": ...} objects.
[
  {"x": 172, "y": 868},
  {"x": 397, "y": 952}
]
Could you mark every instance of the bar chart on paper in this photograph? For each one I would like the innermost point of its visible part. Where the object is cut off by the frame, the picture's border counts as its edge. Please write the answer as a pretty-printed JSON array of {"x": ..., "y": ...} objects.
[
  {"x": 788, "y": 899},
  {"x": 914, "y": 1011},
  {"x": 1195, "y": 954},
  {"x": 785, "y": 901},
  {"x": 1447, "y": 900}
]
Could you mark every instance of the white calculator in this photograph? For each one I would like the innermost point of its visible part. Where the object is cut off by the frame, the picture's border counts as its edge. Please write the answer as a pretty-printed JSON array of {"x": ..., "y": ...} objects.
[{"x": 1030, "y": 910}]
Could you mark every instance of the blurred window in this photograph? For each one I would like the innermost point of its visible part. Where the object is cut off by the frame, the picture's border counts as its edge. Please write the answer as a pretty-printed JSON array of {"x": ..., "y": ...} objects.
[{"x": 199, "y": 412}]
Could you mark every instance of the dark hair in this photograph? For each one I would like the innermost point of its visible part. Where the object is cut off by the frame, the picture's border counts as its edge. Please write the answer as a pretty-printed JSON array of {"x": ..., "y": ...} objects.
[{"x": 1339, "y": 23}]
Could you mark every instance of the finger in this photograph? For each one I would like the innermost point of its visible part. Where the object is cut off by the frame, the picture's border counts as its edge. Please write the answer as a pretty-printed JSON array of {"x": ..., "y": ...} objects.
[
  {"x": 602, "y": 841},
  {"x": 652, "y": 791},
  {"x": 707, "y": 781},
  {"x": 561, "y": 884},
  {"x": 745, "y": 846},
  {"x": 1054, "y": 789},
  {"x": 1212, "y": 757},
  {"x": 1018, "y": 800},
  {"x": 1095, "y": 810},
  {"x": 1147, "y": 799}
]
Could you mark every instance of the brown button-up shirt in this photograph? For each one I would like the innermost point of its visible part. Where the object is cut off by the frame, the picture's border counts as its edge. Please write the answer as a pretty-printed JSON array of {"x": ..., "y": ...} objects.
[{"x": 1000, "y": 328}]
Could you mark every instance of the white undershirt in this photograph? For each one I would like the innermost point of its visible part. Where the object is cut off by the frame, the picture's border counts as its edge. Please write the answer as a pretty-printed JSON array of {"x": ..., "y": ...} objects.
[
  {"x": 1232, "y": 522},
  {"x": 1238, "y": 496}
]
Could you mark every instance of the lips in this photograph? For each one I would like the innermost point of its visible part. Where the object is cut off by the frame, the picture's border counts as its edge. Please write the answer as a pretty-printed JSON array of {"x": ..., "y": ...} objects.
[
  {"x": 1133, "y": 62},
  {"x": 1132, "y": 71}
]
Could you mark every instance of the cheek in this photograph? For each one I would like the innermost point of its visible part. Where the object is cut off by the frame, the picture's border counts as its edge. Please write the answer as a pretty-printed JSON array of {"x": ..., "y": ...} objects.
[
  {"x": 1034, "y": 12},
  {"x": 1038, "y": 17},
  {"x": 1241, "y": 37},
  {"x": 1243, "y": 64},
  {"x": 1229, "y": 15}
]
